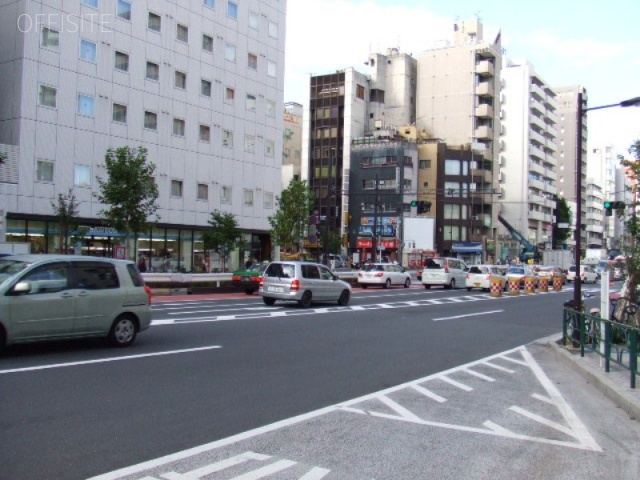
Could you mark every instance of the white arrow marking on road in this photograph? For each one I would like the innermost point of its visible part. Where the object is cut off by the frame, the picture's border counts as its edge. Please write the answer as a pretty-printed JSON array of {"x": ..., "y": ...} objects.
[{"x": 467, "y": 315}]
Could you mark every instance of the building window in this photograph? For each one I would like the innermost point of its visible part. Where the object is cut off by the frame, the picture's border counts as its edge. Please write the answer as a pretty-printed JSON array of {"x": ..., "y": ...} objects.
[
  {"x": 207, "y": 43},
  {"x": 271, "y": 69},
  {"x": 248, "y": 198},
  {"x": 452, "y": 167},
  {"x": 81, "y": 176},
  {"x": 153, "y": 71},
  {"x": 182, "y": 33},
  {"x": 176, "y": 188},
  {"x": 423, "y": 164},
  {"x": 270, "y": 108},
  {"x": 205, "y": 87},
  {"x": 253, "y": 20},
  {"x": 155, "y": 22},
  {"x": 50, "y": 38},
  {"x": 252, "y": 61},
  {"x": 90, "y": 3},
  {"x": 180, "y": 80},
  {"x": 225, "y": 195},
  {"x": 227, "y": 138},
  {"x": 122, "y": 62},
  {"x": 229, "y": 95},
  {"x": 268, "y": 200},
  {"x": 119, "y": 113},
  {"x": 88, "y": 51},
  {"x": 44, "y": 171},
  {"x": 209, "y": 3},
  {"x": 178, "y": 127},
  {"x": 251, "y": 102},
  {"x": 124, "y": 10},
  {"x": 205, "y": 133},
  {"x": 47, "y": 96},
  {"x": 249, "y": 143},
  {"x": 85, "y": 105},
  {"x": 151, "y": 120},
  {"x": 273, "y": 29},
  {"x": 230, "y": 52},
  {"x": 232, "y": 10},
  {"x": 203, "y": 191},
  {"x": 360, "y": 92},
  {"x": 268, "y": 148}
]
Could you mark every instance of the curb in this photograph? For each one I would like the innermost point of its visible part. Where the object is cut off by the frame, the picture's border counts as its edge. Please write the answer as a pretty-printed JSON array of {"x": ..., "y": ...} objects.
[{"x": 610, "y": 389}]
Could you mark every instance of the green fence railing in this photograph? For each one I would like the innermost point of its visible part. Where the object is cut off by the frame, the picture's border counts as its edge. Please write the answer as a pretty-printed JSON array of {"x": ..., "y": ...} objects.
[{"x": 616, "y": 342}]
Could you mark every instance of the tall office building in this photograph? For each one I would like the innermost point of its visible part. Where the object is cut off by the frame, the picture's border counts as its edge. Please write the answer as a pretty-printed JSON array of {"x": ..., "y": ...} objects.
[
  {"x": 199, "y": 84},
  {"x": 291, "y": 143},
  {"x": 528, "y": 153}
]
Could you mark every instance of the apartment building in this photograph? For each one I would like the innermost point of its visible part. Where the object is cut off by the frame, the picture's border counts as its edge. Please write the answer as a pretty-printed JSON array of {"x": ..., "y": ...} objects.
[
  {"x": 528, "y": 165},
  {"x": 602, "y": 166},
  {"x": 198, "y": 83},
  {"x": 595, "y": 218},
  {"x": 291, "y": 143},
  {"x": 458, "y": 101}
]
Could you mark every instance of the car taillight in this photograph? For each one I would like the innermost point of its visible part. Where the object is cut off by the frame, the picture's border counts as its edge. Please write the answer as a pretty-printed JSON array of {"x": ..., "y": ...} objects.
[
  {"x": 379, "y": 274},
  {"x": 295, "y": 285},
  {"x": 259, "y": 279},
  {"x": 360, "y": 274},
  {"x": 261, "y": 282},
  {"x": 236, "y": 278},
  {"x": 147, "y": 289}
]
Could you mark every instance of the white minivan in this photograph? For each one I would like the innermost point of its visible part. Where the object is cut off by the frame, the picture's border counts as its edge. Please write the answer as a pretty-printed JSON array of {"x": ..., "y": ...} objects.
[{"x": 445, "y": 271}]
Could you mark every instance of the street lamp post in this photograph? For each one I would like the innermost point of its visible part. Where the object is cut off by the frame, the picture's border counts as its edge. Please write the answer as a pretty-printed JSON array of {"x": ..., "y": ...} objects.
[{"x": 632, "y": 102}]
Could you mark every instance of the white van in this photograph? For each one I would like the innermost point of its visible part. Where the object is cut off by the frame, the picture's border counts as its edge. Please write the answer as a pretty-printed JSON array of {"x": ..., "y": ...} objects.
[{"x": 445, "y": 271}]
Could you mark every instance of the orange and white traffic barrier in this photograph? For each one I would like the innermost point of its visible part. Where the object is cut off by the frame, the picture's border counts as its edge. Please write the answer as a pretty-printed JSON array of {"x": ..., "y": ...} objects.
[
  {"x": 557, "y": 284},
  {"x": 496, "y": 287},
  {"x": 529, "y": 284},
  {"x": 544, "y": 284},
  {"x": 514, "y": 286}
]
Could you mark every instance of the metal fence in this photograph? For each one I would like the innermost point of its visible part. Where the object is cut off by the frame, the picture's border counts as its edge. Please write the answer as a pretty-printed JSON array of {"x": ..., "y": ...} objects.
[{"x": 616, "y": 342}]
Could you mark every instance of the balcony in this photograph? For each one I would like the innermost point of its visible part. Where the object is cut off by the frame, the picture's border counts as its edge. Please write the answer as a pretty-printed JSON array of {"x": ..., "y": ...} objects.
[
  {"x": 595, "y": 228},
  {"x": 480, "y": 175},
  {"x": 537, "y": 216},
  {"x": 484, "y": 111},
  {"x": 485, "y": 68},
  {"x": 594, "y": 216},
  {"x": 485, "y": 89},
  {"x": 536, "y": 152},
  {"x": 537, "y": 121},
  {"x": 536, "y": 90},
  {"x": 484, "y": 132},
  {"x": 533, "y": 135},
  {"x": 536, "y": 168},
  {"x": 480, "y": 197}
]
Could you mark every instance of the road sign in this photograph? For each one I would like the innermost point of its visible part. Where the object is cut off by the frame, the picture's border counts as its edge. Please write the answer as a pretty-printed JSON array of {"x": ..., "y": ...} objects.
[{"x": 563, "y": 225}]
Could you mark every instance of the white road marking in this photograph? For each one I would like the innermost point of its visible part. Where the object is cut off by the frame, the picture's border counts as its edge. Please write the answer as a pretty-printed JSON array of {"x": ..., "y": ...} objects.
[
  {"x": 399, "y": 409},
  {"x": 498, "y": 367},
  {"x": 106, "y": 360},
  {"x": 234, "y": 309},
  {"x": 459, "y": 385},
  {"x": 467, "y": 315},
  {"x": 544, "y": 421},
  {"x": 266, "y": 471},
  {"x": 315, "y": 473},
  {"x": 479, "y": 375},
  {"x": 428, "y": 393},
  {"x": 542, "y": 398},
  {"x": 513, "y": 360},
  {"x": 215, "y": 467}
]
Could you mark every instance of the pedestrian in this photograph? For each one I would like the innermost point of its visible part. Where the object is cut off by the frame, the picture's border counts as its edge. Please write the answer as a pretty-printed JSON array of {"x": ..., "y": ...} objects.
[{"x": 142, "y": 264}]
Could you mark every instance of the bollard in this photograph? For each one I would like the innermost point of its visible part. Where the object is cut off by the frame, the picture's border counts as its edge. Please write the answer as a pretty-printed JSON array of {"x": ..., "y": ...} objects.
[
  {"x": 496, "y": 287},
  {"x": 529, "y": 284},
  {"x": 557, "y": 284},
  {"x": 514, "y": 286},
  {"x": 544, "y": 284}
]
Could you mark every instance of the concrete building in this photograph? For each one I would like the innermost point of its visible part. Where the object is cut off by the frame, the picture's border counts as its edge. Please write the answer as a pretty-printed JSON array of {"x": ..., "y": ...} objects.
[
  {"x": 602, "y": 165},
  {"x": 595, "y": 219},
  {"x": 528, "y": 162},
  {"x": 291, "y": 143},
  {"x": 458, "y": 101},
  {"x": 198, "y": 84}
]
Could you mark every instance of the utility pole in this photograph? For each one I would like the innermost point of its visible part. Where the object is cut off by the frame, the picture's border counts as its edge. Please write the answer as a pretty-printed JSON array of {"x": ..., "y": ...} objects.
[{"x": 375, "y": 222}]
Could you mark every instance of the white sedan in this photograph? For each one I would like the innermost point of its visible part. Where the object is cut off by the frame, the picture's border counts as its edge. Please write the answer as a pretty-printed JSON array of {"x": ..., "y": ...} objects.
[
  {"x": 480, "y": 276},
  {"x": 587, "y": 274},
  {"x": 384, "y": 275}
]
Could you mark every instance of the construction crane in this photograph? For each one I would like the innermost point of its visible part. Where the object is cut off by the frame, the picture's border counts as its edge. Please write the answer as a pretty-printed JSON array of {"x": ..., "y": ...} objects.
[{"x": 529, "y": 250}]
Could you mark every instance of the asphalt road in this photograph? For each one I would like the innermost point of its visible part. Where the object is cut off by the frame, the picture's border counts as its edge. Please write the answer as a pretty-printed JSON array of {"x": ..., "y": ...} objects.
[{"x": 207, "y": 370}]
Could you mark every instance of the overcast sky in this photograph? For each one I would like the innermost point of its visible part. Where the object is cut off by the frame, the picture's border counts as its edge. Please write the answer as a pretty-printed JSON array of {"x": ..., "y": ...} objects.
[{"x": 569, "y": 42}]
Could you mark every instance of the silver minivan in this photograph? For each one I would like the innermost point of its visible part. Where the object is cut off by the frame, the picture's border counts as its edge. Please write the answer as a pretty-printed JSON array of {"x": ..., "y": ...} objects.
[
  {"x": 48, "y": 297},
  {"x": 302, "y": 282},
  {"x": 445, "y": 271}
]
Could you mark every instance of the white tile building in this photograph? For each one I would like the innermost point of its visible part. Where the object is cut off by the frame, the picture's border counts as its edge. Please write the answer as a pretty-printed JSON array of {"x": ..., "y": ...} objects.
[{"x": 198, "y": 83}]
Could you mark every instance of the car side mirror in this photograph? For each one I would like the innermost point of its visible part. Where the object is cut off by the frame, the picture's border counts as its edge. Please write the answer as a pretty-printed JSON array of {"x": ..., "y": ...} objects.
[{"x": 22, "y": 287}]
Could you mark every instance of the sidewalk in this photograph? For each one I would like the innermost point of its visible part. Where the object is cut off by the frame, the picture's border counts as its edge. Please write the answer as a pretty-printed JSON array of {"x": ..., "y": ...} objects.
[{"x": 613, "y": 385}]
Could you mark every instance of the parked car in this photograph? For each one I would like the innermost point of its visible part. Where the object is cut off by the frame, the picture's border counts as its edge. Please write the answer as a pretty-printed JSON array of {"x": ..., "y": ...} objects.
[
  {"x": 336, "y": 261},
  {"x": 520, "y": 272},
  {"x": 445, "y": 271},
  {"x": 384, "y": 275},
  {"x": 48, "y": 297},
  {"x": 587, "y": 274},
  {"x": 302, "y": 282},
  {"x": 550, "y": 271},
  {"x": 249, "y": 278},
  {"x": 481, "y": 276}
]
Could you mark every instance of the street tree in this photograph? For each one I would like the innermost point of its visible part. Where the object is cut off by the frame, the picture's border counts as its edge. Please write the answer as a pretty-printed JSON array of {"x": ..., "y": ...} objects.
[
  {"x": 632, "y": 231},
  {"x": 3, "y": 157},
  {"x": 128, "y": 191},
  {"x": 563, "y": 214},
  {"x": 291, "y": 220},
  {"x": 66, "y": 208},
  {"x": 223, "y": 237}
]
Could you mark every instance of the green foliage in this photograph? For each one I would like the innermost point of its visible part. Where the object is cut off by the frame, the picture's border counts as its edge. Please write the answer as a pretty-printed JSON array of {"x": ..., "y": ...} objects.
[
  {"x": 563, "y": 215},
  {"x": 224, "y": 235},
  {"x": 632, "y": 226},
  {"x": 3, "y": 157},
  {"x": 129, "y": 191},
  {"x": 66, "y": 209},
  {"x": 290, "y": 221}
]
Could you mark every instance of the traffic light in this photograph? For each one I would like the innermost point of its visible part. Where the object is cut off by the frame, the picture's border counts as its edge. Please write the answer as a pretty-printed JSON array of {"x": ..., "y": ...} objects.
[
  {"x": 424, "y": 207},
  {"x": 610, "y": 206},
  {"x": 414, "y": 203}
]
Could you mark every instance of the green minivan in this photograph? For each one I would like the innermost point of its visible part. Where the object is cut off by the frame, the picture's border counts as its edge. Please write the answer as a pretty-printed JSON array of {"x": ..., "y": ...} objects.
[{"x": 49, "y": 297}]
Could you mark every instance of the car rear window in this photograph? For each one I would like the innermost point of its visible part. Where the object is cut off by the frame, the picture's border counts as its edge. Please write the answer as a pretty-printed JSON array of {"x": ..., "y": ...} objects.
[
  {"x": 434, "y": 263},
  {"x": 473, "y": 269},
  {"x": 370, "y": 267},
  {"x": 136, "y": 278},
  {"x": 281, "y": 270}
]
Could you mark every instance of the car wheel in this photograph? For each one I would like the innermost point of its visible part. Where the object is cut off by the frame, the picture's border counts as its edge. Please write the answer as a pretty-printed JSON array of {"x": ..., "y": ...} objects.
[
  {"x": 407, "y": 283},
  {"x": 345, "y": 296},
  {"x": 468, "y": 289},
  {"x": 305, "y": 301},
  {"x": 123, "y": 331},
  {"x": 364, "y": 286},
  {"x": 249, "y": 291},
  {"x": 427, "y": 287},
  {"x": 452, "y": 285},
  {"x": 268, "y": 300},
  {"x": 387, "y": 284}
]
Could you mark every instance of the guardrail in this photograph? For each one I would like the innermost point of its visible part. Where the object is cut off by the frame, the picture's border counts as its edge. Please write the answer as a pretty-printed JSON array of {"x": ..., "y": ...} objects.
[{"x": 604, "y": 337}]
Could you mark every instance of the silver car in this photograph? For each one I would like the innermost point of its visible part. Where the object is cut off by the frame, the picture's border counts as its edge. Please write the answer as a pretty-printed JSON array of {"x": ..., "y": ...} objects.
[
  {"x": 302, "y": 282},
  {"x": 48, "y": 297}
]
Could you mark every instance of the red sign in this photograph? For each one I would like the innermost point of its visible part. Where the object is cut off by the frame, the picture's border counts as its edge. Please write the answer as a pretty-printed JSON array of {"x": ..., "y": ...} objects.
[{"x": 368, "y": 243}]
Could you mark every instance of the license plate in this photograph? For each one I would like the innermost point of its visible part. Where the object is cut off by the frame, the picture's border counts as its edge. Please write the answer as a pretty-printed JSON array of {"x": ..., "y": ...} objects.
[
  {"x": 276, "y": 289},
  {"x": 245, "y": 279},
  {"x": 477, "y": 284}
]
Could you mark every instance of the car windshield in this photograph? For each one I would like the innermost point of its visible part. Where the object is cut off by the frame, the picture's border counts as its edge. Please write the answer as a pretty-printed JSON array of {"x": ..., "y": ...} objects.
[
  {"x": 10, "y": 267},
  {"x": 516, "y": 270}
]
